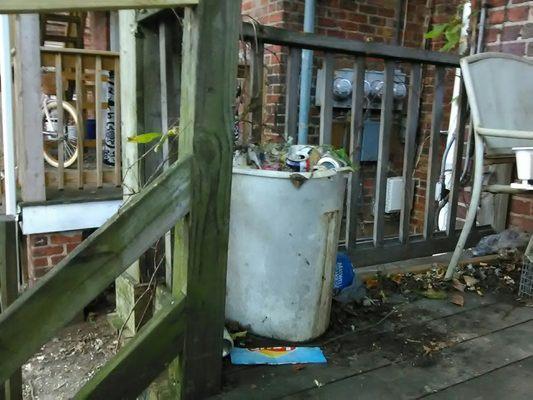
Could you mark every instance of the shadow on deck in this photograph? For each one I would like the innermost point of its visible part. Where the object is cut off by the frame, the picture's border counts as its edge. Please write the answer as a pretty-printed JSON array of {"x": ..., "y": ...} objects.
[{"x": 425, "y": 348}]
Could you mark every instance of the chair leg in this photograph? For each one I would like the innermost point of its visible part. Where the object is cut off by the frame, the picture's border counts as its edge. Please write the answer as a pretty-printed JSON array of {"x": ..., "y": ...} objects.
[{"x": 472, "y": 210}]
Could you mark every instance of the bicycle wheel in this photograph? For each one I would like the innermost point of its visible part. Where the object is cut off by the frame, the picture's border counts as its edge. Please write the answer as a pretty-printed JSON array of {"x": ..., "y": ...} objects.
[{"x": 68, "y": 136}]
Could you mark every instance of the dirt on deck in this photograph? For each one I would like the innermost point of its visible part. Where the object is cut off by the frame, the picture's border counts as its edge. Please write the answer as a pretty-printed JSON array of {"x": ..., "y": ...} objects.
[{"x": 69, "y": 360}]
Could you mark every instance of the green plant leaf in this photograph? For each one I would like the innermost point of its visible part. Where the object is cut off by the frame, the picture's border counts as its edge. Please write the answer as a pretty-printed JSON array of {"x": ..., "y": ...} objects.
[
  {"x": 145, "y": 137},
  {"x": 437, "y": 31}
]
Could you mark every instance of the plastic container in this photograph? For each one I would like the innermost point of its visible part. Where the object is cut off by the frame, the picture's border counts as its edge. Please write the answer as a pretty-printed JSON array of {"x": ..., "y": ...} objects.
[
  {"x": 524, "y": 162},
  {"x": 282, "y": 251}
]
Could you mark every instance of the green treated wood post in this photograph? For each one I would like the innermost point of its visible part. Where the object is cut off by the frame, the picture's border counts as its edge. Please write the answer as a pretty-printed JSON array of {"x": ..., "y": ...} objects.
[
  {"x": 209, "y": 73},
  {"x": 9, "y": 290}
]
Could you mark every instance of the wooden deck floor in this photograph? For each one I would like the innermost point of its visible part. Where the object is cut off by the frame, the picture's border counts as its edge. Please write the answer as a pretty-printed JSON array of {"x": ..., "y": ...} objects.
[{"x": 426, "y": 349}]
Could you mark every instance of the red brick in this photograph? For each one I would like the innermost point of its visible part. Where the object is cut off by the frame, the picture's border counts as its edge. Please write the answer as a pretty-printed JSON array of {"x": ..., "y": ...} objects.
[
  {"x": 47, "y": 251},
  {"x": 56, "y": 259},
  {"x": 515, "y": 48},
  {"x": 58, "y": 238},
  {"x": 517, "y": 14},
  {"x": 40, "y": 262},
  {"x": 521, "y": 222},
  {"x": 40, "y": 272},
  {"x": 510, "y": 33},
  {"x": 497, "y": 3},
  {"x": 521, "y": 205},
  {"x": 496, "y": 16},
  {"x": 71, "y": 246},
  {"x": 38, "y": 240}
]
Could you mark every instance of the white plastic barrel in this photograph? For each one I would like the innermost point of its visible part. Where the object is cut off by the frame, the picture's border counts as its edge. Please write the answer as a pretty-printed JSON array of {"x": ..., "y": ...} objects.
[{"x": 282, "y": 251}]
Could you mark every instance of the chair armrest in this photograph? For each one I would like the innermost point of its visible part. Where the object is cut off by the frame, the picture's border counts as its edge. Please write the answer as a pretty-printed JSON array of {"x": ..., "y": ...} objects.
[{"x": 505, "y": 133}]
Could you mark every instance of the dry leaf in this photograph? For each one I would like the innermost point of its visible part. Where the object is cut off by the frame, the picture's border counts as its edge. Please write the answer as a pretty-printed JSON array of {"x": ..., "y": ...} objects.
[
  {"x": 458, "y": 285},
  {"x": 457, "y": 299},
  {"x": 470, "y": 280}
]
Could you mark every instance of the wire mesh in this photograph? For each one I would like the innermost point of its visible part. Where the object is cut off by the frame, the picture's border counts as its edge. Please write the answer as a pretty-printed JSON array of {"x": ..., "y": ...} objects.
[{"x": 526, "y": 278}]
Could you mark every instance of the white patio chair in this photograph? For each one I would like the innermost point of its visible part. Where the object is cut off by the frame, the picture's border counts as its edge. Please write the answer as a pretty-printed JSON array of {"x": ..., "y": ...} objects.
[{"x": 500, "y": 94}]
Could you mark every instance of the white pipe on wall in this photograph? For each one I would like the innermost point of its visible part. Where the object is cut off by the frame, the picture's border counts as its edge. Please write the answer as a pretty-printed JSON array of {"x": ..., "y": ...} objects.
[{"x": 6, "y": 77}]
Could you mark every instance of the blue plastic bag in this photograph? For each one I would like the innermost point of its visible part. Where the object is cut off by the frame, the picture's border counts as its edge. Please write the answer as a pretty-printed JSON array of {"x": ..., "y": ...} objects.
[{"x": 344, "y": 274}]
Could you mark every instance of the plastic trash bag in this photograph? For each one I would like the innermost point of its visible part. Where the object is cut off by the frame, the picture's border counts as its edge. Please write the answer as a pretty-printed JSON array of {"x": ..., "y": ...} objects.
[{"x": 507, "y": 239}]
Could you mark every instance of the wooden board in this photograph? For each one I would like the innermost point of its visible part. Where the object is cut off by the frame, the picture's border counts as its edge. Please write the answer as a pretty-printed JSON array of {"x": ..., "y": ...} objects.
[
  {"x": 9, "y": 291},
  {"x": 209, "y": 74},
  {"x": 92, "y": 266},
  {"x": 465, "y": 361},
  {"x": 312, "y": 41},
  {"x": 33, "y": 6},
  {"x": 28, "y": 101},
  {"x": 479, "y": 317},
  {"x": 512, "y": 381}
]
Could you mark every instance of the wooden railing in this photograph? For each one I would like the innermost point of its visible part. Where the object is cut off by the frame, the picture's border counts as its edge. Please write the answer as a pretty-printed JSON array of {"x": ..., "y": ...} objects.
[
  {"x": 191, "y": 320},
  {"x": 418, "y": 64},
  {"x": 89, "y": 81}
]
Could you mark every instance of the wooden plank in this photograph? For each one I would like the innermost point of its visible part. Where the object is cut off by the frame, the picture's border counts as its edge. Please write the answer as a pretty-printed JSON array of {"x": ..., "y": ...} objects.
[
  {"x": 92, "y": 266},
  {"x": 455, "y": 188},
  {"x": 409, "y": 152},
  {"x": 208, "y": 88},
  {"x": 83, "y": 52},
  {"x": 163, "y": 74},
  {"x": 143, "y": 358},
  {"x": 423, "y": 315},
  {"x": 118, "y": 126},
  {"x": 433, "y": 156},
  {"x": 312, "y": 41},
  {"x": 71, "y": 178},
  {"x": 326, "y": 108},
  {"x": 512, "y": 381},
  {"x": 458, "y": 363},
  {"x": 9, "y": 290},
  {"x": 32, "y": 6},
  {"x": 385, "y": 130},
  {"x": 356, "y": 141},
  {"x": 60, "y": 122},
  {"x": 80, "y": 96},
  {"x": 27, "y": 76},
  {"x": 365, "y": 253},
  {"x": 99, "y": 120},
  {"x": 257, "y": 86},
  {"x": 292, "y": 86}
]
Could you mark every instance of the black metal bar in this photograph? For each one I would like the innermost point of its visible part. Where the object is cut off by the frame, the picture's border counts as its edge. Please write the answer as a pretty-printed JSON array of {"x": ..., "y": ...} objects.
[
  {"x": 291, "y": 93},
  {"x": 409, "y": 154},
  {"x": 356, "y": 139},
  {"x": 433, "y": 156},
  {"x": 326, "y": 110},
  {"x": 453, "y": 196},
  {"x": 365, "y": 254},
  {"x": 257, "y": 85},
  {"x": 385, "y": 128},
  {"x": 313, "y": 41}
]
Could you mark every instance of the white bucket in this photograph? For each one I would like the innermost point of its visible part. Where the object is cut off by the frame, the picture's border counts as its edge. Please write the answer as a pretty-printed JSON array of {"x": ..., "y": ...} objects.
[
  {"x": 282, "y": 251},
  {"x": 524, "y": 162}
]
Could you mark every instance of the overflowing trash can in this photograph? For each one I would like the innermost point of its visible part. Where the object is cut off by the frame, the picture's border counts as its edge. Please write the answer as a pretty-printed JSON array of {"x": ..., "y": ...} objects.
[{"x": 284, "y": 232}]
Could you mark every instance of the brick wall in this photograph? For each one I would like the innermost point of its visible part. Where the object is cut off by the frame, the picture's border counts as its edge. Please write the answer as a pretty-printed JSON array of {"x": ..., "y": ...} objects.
[
  {"x": 366, "y": 20},
  {"x": 44, "y": 251},
  {"x": 510, "y": 30}
]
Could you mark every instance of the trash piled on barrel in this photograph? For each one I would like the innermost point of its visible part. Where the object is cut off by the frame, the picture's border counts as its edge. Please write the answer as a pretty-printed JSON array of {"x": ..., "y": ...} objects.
[{"x": 289, "y": 157}]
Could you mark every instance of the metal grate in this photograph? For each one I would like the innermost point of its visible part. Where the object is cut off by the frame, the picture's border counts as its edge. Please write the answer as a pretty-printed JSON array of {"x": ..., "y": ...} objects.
[{"x": 526, "y": 278}]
